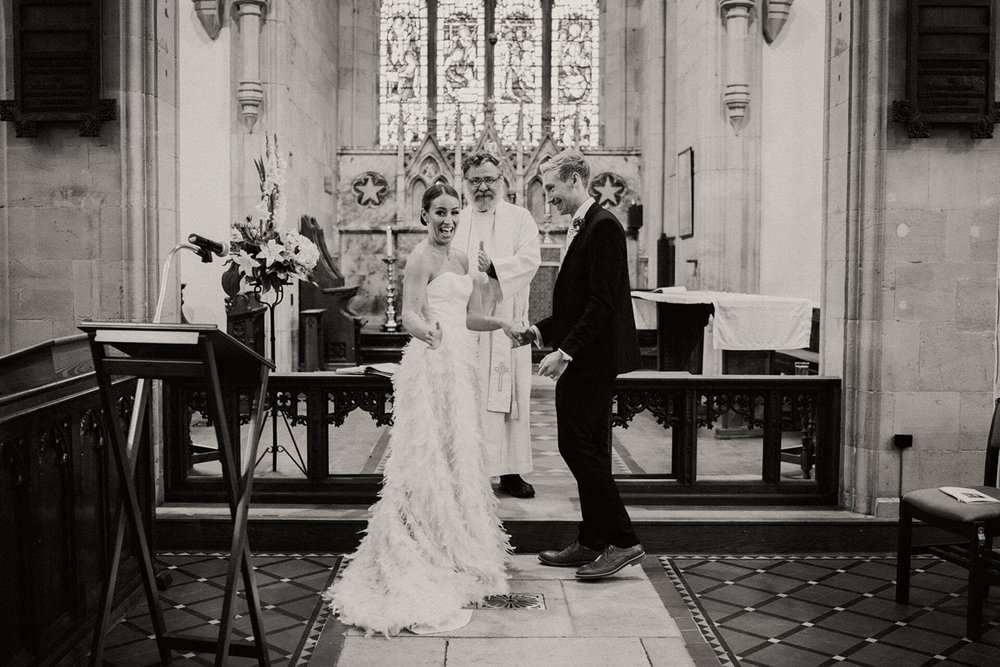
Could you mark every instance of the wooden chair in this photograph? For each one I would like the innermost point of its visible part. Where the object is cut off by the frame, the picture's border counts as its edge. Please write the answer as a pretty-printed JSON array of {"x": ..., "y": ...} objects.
[{"x": 975, "y": 523}]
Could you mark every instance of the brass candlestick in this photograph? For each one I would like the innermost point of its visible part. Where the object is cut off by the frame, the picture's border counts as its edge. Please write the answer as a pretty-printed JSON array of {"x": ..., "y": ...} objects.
[
  {"x": 390, "y": 325},
  {"x": 546, "y": 226}
]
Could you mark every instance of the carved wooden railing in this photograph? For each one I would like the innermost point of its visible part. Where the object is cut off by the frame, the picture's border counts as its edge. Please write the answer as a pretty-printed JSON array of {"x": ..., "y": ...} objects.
[
  {"x": 680, "y": 403},
  {"x": 58, "y": 497}
]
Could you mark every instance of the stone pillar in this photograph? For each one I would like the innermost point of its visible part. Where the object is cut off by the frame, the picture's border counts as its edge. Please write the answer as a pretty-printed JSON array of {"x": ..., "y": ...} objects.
[
  {"x": 652, "y": 128},
  {"x": 910, "y": 277},
  {"x": 249, "y": 89},
  {"x": 736, "y": 18}
]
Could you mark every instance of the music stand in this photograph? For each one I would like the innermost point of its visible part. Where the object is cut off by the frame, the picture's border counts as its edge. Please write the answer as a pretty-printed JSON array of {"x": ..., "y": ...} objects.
[{"x": 181, "y": 351}]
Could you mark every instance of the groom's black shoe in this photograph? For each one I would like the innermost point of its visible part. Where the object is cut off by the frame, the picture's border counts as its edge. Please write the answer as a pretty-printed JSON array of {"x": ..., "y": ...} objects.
[
  {"x": 610, "y": 561},
  {"x": 514, "y": 486},
  {"x": 574, "y": 555}
]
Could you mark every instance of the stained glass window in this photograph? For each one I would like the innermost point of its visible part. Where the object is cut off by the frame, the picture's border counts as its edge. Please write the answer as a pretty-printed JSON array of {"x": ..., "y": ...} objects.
[
  {"x": 461, "y": 89},
  {"x": 403, "y": 76},
  {"x": 574, "y": 71},
  {"x": 518, "y": 69},
  {"x": 519, "y": 61}
]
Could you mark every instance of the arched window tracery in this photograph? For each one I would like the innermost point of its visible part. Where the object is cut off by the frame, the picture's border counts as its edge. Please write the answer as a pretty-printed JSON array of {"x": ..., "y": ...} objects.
[{"x": 438, "y": 67}]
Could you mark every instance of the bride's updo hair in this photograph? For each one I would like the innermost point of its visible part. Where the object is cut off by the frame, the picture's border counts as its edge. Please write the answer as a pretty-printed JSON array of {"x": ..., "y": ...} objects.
[{"x": 432, "y": 193}]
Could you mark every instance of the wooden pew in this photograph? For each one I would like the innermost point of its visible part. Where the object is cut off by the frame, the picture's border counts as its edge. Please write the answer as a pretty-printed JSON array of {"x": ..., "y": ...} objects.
[{"x": 329, "y": 330}]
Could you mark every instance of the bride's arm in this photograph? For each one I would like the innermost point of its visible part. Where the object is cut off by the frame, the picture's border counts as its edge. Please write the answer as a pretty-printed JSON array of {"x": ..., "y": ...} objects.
[
  {"x": 476, "y": 319},
  {"x": 415, "y": 279}
]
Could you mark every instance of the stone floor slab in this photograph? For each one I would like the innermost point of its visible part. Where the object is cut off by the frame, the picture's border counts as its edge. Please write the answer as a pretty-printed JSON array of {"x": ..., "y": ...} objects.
[
  {"x": 667, "y": 652},
  {"x": 551, "y": 652},
  {"x": 618, "y": 607},
  {"x": 553, "y": 621},
  {"x": 393, "y": 652}
]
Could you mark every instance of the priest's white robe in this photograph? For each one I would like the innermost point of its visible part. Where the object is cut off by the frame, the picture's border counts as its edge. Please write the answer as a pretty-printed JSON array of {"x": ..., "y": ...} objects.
[{"x": 510, "y": 238}]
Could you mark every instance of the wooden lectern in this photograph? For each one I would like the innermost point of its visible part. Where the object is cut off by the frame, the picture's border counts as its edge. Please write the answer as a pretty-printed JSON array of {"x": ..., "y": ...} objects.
[{"x": 168, "y": 351}]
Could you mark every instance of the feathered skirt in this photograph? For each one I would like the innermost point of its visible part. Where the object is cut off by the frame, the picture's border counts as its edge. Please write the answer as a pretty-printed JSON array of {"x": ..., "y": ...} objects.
[{"x": 433, "y": 543}]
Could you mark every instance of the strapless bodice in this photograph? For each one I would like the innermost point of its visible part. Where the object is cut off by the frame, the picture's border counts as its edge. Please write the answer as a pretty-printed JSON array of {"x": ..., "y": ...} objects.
[{"x": 448, "y": 298}]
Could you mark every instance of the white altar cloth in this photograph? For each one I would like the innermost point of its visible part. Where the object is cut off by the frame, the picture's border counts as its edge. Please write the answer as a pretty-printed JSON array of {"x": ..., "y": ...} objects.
[{"x": 746, "y": 321}]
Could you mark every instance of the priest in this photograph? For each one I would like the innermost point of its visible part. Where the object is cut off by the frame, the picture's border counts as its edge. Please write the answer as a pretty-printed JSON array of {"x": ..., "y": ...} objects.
[{"x": 501, "y": 241}]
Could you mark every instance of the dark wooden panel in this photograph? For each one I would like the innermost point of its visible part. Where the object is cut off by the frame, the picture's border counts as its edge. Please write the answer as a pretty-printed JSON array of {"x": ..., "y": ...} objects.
[
  {"x": 57, "y": 507},
  {"x": 950, "y": 61},
  {"x": 57, "y": 66},
  {"x": 42, "y": 364}
]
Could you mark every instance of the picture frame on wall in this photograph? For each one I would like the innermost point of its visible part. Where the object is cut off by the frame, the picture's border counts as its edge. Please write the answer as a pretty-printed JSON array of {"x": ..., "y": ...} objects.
[{"x": 685, "y": 193}]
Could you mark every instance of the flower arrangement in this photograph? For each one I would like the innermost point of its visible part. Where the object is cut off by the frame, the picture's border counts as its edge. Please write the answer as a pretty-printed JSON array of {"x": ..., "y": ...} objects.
[{"x": 264, "y": 255}]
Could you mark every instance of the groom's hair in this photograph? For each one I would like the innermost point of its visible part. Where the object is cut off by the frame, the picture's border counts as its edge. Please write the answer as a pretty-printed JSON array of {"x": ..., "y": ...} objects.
[
  {"x": 479, "y": 157},
  {"x": 566, "y": 163}
]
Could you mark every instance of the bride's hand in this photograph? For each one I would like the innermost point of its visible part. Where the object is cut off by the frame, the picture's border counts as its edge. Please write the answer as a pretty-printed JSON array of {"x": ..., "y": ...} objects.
[
  {"x": 433, "y": 337},
  {"x": 511, "y": 332}
]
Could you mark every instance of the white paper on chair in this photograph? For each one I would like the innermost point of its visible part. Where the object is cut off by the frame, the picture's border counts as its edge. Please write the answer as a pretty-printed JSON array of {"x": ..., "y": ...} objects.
[{"x": 965, "y": 495}]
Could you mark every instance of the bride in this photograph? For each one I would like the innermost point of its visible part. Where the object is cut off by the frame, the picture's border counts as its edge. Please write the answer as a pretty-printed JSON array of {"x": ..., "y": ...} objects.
[{"x": 433, "y": 544}]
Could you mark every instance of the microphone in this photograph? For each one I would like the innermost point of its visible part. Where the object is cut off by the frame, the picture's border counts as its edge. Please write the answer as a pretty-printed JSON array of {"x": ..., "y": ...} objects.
[{"x": 207, "y": 247}]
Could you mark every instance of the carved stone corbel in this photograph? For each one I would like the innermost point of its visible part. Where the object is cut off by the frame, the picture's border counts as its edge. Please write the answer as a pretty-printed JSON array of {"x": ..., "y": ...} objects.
[
  {"x": 209, "y": 13},
  {"x": 250, "y": 90},
  {"x": 775, "y": 14},
  {"x": 736, "y": 20}
]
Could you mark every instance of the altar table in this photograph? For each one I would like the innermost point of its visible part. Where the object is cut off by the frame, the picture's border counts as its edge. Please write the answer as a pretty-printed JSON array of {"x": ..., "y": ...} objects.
[{"x": 741, "y": 322}]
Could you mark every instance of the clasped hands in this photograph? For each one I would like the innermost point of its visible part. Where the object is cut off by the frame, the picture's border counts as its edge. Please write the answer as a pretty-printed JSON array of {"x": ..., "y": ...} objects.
[
  {"x": 518, "y": 335},
  {"x": 552, "y": 365}
]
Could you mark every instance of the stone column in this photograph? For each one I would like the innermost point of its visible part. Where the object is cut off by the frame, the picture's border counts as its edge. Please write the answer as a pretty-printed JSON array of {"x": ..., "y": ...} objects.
[
  {"x": 250, "y": 90},
  {"x": 736, "y": 18},
  {"x": 654, "y": 117}
]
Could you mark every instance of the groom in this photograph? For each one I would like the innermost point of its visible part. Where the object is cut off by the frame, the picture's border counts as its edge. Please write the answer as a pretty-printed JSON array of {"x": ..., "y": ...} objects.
[{"x": 592, "y": 333}]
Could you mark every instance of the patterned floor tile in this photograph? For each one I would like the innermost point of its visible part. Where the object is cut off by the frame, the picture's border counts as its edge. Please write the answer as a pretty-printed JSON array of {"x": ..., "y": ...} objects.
[
  {"x": 829, "y": 610},
  {"x": 293, "y": 612}
]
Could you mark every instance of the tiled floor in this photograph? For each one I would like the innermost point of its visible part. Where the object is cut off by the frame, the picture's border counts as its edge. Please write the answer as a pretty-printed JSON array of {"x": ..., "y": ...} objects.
[
  {"x": 703, "y": 610},
  {"x": 828, "y": 610},
  {"x": 292, "y": 611}
]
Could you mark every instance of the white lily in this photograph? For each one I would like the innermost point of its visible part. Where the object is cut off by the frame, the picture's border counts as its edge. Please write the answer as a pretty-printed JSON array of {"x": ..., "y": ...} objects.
[{"x": 271, "y": 253}]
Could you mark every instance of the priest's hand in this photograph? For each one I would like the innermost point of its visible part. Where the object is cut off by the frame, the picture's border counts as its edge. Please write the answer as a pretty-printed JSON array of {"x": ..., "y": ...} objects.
[
  {"x": 553, "y": 365},
  {"x": 484, "y": 260}
]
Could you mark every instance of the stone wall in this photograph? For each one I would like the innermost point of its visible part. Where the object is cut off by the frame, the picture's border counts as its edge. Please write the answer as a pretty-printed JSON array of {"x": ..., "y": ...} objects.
[
  {"x": 84, "y": 222},
  {"x": 911, "y": 230},
  {"x": 298, "y": 54},
  {"x": 723, "y": 253},
  {"x": 791, "y": 203},
  {"x": 357, "y": 67}
]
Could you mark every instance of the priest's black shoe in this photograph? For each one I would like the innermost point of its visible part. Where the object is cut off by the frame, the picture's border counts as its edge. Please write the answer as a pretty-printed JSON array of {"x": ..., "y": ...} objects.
[
  {"x": 574, "y": 555},
  {"x": 514, "y": 486}
]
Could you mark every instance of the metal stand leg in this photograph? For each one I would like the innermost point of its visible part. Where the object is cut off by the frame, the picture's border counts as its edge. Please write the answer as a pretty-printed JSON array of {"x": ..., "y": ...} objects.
[
  {"x": 238, "y": 489},
  {"x": 126, "y": 455}
]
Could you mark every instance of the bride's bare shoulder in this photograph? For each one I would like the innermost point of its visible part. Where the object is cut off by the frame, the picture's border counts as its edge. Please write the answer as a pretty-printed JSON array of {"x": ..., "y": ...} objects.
[{"x": 418, "y": 260}]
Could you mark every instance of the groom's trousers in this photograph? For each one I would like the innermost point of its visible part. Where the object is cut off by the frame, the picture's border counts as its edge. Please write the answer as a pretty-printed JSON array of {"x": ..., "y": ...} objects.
[{"x": 583, "y": 417}]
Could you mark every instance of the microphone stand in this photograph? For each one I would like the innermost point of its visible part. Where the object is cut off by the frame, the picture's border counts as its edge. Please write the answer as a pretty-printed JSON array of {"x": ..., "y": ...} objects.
[{"x": 166, "y": 272}]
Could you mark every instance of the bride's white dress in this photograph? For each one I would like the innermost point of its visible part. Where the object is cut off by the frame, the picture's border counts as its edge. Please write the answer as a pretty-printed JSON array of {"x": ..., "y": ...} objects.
[{"x": 433, "y": 543}]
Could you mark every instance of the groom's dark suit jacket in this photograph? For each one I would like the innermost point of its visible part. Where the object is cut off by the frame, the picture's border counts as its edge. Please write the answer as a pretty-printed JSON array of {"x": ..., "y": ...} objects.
[{"x": 591, "y": 317}]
